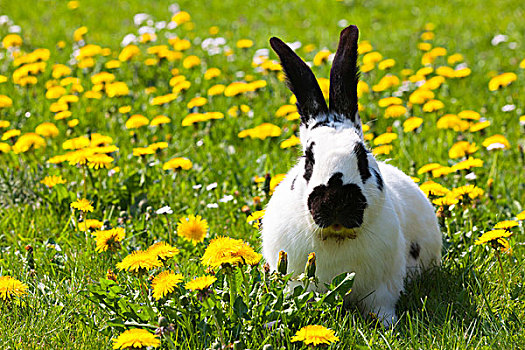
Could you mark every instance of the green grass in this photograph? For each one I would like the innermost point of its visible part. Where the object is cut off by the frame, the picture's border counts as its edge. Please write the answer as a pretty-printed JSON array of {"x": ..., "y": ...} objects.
[{"x": 465, "y": 304}]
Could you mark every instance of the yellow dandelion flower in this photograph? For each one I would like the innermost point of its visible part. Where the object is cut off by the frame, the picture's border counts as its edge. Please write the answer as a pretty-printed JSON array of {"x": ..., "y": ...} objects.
[
  {"x": 372, "y": 57},
  {"x": 160, "y": 119},
  {"x": 383, "y": 149},
  {"x": 462, "y": 149},
  {"x": 162, "y": 250},
  {"x": 136, "y": 121},
  {"x": 98, "y": 161},
  {"x": 290, "y": 142},
  {"x": 83, "y": 205},
  {"x": 521, "y": 216},
  {"x": 47, "y": 129},
  {"x": 164, "y": 283},
  {"x": 395, "y": 111},
  {"x": 496, "y": 141},
  {"x": 53, "y": 180},
  {"x": 158, "y": 145},
  {"x": 4, "y": 147},
  {"x": 212, "y": 73},
  {"x": 142, "y": 151},
  {"x": 79, "y": 33},
  {"x": 428, "y": 167},
  {"x": 12, "y": 40},
  {"x": 452, "y": 121},
  {"x": 469, "y": 115},
  {"x": 470, "y": 190},
  {"x": 11, "y": 287},
  {"x": 321, "y": 57},
  {"x": 255, "y": 218},
  {"x": 285, "y": 110},
  {"x": 385, "y": 138},
  {"x": 261, "y": 132},
  {"x": 109, "y": 239},
  {"x": 386, "y": 82},
  {"x": 226, "y": 250},
  {"x": 432, "y": 188},
  {"x": 80, "y": 156},
  {"x": 176, "y": 163},
  {"x": 9, "y": 134},
  {"x": 412, "y": 124},
  {"x": 139, "y": 261},
  {"x": 441, "y": 171},
  {"x": 181, "y": 17},
  {"x": 386, "y": 64},
  {"x": 479, "y": 126},
  {"x": 244, "y": 43},
  {"x": 89, "y": 224},
  {"x": 455, "y": 58},
  {"x": 468, "y": 164},
  {"x": 191, "y": 61},
  {"x": 445, "y": 201},
  {"x": 388, "y": 101},
  {"x": 200, "y": 283},
  {"x": 136, "y": 338},
  {"x": 315, "y": 335},
  {"x": 502, "y": 80},
  {"x": 492, "y": 236},
  {"x": 4, "y": 124},
  {"x": 364, "y": 47},
  {"x": 433, "y": 105},
  {"x": 118, "y": 88},
  {"x": 420, "y": 96},
  {"x": 506, "y": 225},
  {"x": 128, "y": 53},
  {"x": 216, "y": 90},
  {"x": 197, "y": 102},
  {"x": 193, "y": 228}
]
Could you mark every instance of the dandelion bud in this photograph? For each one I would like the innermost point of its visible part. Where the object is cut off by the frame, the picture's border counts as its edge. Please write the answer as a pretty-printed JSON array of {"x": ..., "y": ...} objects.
[
  {"x": 282, "y": 265},
  {"x": 266, "y": 268},
  {"x": 310, "y": 265}
]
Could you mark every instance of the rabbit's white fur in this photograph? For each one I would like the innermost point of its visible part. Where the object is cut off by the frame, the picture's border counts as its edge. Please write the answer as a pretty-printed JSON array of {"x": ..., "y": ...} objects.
[
  {"x": 356, "y": 214},
  {"x": 379, "y": 255}
]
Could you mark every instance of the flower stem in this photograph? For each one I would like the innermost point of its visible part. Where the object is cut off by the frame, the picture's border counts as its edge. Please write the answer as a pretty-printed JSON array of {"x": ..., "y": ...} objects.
[
  {"x": 233, "y": 290},
  {"x": 215, "y": 320},
  {"x": 503, "y": 279}
]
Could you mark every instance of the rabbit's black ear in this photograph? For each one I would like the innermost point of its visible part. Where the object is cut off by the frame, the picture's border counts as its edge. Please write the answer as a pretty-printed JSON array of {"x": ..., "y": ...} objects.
[
  {"x": 302, "y": 82},
  {"x": 344, "y": 76}
]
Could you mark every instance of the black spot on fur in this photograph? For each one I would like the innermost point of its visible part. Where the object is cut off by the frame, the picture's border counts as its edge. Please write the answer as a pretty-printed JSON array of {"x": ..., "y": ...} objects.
[
  {"x": 309, "y": 162},
  {"x": 293, "y": 183},
  {"x": 415, "y": 248},
  {"x": 337, "y": 203},
  {"x": 379, "y": 180},
  {"x": 362, "y": 161}
]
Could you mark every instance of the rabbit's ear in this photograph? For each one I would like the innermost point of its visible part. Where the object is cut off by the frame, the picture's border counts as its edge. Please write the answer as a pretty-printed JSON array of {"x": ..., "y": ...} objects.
[
  {"x": 302, "y": 82},
  {"x": 344, "y": 76}
]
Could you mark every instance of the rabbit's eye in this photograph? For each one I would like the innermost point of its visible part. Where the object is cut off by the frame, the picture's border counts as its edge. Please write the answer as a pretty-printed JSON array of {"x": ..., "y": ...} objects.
[
  {"x": 362, "y": 161},
  {"x": 309, "y": 162}
]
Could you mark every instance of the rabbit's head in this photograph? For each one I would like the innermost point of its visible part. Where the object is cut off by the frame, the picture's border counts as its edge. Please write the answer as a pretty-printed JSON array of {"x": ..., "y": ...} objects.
[{"x": 340, "y": 181}]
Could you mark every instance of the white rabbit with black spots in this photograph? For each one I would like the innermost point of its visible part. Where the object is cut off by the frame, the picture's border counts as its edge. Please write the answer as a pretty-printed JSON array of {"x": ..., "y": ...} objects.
[{"x": 355, "y": 213}]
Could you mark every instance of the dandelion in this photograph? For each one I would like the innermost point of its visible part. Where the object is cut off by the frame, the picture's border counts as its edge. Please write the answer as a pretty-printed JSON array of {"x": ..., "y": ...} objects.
[
  {"x": 261, "y": 132},
  {"x": 226, "y": 250},
  {"x": 255, "y": 217},
  {"x": 462, "y": 149},
  {"x": 520, "y": 216},
  {"x": 193, "y": 228},
  {"x": 470, "y": 190},
  {"x": 290, "y": 142},
  {"x": 200, "y": 283},
  {"x": 385, "y": 138},
  {"x": 497, "y": 139},
  {"x": 506, "y": 225},
  {"x": 160, "y": 119},
  {"x": 53, "y": 180},
  {"x": 162, "y": 251},
  {"x": 244, "y": 43},
  {"x": 502, "y": 80},
  {"x": 491, "y": 237},
  {"x": 388, "y": 101},
  {"x": 315, "y": 335},
  {"x": 412, "y": 124},
  {"x": 88, "y": 224},
  {"x": 432, "y": 188},
  {"x": 321, "y": 57},
  {"x": 383, "y": 149},
  {"x": 98, "y": 161},
  {"x": 136, "y": 338},
  {"x": 11, "y": 287},
  {"x": 139, "y": 261},
  {"x": 136, "y": 121},
  {"x": 109, "y": 239},
  {"x": 212, "y": 73},
  {"x": 165, "y": 283},
  {"x": 432, "y": 106},
  {"x": 176, "y": 163},
  {"x": 83, "y": 205}
]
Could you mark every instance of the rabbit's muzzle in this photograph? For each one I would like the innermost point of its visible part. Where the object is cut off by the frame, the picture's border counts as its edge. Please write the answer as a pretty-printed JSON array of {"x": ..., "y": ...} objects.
[{"x": 337, "y": 204}]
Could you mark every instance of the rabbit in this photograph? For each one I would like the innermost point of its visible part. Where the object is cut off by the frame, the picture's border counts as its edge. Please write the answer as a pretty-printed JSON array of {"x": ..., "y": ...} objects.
[{"x": 357, "y": 214}]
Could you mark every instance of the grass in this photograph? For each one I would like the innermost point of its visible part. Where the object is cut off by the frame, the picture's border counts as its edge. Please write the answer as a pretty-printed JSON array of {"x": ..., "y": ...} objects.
[{"x": 465, "y": 304}]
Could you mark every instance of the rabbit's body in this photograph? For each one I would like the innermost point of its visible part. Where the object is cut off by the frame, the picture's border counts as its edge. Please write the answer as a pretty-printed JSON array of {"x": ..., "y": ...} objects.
[{"x": 356, "y": 214}]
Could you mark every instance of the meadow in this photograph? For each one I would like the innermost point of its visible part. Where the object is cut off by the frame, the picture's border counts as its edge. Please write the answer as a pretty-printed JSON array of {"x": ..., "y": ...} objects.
[{"x": 141, "y": 140}]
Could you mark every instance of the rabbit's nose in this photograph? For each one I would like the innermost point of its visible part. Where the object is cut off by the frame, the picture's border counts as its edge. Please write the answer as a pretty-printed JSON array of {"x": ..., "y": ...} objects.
[{"x": 335, "y": 203}]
